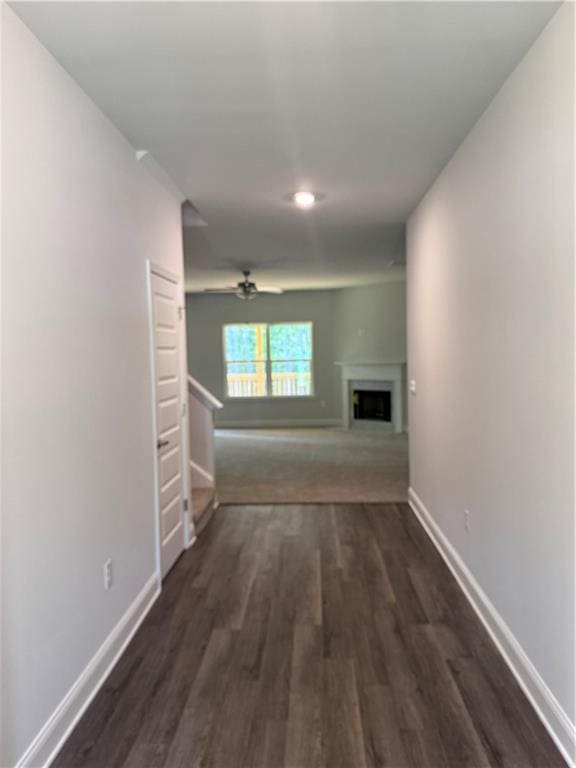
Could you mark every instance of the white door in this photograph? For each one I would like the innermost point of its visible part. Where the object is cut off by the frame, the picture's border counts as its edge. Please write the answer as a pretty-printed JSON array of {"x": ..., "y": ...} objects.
[{"x": 167, "y": 372}]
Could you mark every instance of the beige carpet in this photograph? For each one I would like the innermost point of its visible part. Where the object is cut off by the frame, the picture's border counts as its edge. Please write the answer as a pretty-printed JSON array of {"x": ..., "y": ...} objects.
[{"x": 270, "y": 466}]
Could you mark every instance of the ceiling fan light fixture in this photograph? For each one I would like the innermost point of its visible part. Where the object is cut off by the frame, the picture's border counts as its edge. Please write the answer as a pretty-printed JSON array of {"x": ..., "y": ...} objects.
[
  {"x": 246, "y": 295},
  {"x": 304, "y": 199},
  {"x": 245, "y": 289}
]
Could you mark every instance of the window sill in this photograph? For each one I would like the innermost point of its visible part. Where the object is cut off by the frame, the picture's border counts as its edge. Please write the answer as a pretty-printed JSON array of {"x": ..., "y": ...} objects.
[{"x": 267, "y": 398}]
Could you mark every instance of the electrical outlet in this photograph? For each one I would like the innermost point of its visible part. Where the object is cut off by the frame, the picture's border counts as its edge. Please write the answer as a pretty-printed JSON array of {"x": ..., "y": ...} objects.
[
  {"x": 467, "y": 520},
  {"x": 108, "y": 575},
  {"x": 412, "y": 386}
]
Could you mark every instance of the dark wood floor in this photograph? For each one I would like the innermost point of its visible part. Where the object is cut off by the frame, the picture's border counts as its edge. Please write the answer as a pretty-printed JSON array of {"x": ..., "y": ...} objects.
[{"x": 310, "y": 636}]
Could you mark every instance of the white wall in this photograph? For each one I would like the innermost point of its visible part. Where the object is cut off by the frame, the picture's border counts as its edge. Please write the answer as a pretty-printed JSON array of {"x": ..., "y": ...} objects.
[
  {"x": 80, "y": 218},
  {"x": 491, "y": 347}
]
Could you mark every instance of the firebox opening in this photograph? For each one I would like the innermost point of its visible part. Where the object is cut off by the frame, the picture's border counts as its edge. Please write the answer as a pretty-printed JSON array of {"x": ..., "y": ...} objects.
[{"x": 371, "y": 405}]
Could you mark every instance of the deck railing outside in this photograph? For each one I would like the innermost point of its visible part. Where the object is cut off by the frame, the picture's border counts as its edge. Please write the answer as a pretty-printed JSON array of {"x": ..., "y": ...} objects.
[{"x": 254, "y": 385}]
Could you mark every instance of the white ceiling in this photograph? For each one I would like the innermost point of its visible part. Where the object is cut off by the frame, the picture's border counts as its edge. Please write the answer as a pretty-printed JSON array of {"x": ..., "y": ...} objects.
[{"x": 242, "y": 103}]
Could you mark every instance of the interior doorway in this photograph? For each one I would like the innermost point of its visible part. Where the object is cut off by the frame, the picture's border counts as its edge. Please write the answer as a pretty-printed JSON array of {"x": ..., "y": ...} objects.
[{"x": 167, "y": 342}]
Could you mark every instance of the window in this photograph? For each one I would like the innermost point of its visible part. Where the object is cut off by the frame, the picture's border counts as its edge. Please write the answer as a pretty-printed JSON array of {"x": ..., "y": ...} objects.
[{"x": 265, "y": 360}]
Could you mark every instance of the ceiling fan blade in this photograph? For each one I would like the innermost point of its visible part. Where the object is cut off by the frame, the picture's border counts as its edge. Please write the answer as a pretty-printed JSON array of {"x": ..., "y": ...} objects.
[
  {"x": 221, "y": 290},
  {"x": 270, "y": 289}
]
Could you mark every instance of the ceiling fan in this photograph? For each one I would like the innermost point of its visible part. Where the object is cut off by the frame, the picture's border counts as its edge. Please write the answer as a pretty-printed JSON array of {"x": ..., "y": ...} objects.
[{"x": 245, "y": 289}]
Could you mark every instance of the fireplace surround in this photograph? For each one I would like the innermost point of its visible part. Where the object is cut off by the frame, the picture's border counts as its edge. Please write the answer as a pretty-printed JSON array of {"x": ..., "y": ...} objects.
[{"x": 373, "y": 377}]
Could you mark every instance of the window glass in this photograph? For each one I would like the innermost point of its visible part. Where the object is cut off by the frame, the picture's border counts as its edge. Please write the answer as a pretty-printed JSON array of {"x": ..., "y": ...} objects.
[
  {"x": 291, "y": 378},
  {"x": 245, "y": 342},
  {"x": 291, "y": 341},
  {"x": 264, "y": 360}
]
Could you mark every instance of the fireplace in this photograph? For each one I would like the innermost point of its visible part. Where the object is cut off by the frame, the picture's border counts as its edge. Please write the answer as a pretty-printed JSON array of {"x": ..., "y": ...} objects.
[
  {"x": 372, "y": 395},
  {"x": 372, "y": 405}
]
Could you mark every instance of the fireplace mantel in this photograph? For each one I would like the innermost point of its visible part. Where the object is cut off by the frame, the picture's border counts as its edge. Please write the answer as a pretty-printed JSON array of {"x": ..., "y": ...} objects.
[{"x": 386, "y": 372}]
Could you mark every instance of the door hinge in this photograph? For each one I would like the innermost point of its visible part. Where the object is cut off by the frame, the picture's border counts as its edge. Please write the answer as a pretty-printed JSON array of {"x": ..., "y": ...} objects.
[
  {"x": 180, "y": 312},
  {"x": 185, "y": 505},
  {"x": 183, "y": 409}
]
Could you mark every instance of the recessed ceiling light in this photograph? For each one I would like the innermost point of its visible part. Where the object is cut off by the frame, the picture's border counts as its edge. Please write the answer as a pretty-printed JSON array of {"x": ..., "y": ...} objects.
[{"x": 304, "y": 199}]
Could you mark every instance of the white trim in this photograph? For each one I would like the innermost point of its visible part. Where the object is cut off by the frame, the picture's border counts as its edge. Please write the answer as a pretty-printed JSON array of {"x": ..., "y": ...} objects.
[
  {"x": 185, "y": 431},
  {"x": 187, "y": 525},
  {"x": 389, "y": 375},
  {"x": 150, "y": 268},
  {"x": 203, "y": 395},
  {"x": 545, "y": 704},
  {"x": 58, "y": 727},
  {"x": 268, "y": 362},
  {"x": 272, "y": 423},
  {"x": 197, "y": 468},
  {"x": 148, "y": 161},
  {"x": 267, "y": 398},
  {"x": 172, "y": 277}
]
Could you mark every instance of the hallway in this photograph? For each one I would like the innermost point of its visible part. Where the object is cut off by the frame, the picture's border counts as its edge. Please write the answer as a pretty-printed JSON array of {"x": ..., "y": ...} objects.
[
  {"x": 310, "y": 636},
  {"x": 290, "y": 223}
]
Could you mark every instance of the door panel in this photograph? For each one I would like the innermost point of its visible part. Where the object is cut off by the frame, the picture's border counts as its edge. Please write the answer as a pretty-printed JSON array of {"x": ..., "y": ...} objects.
[
  {"x": 167, "y": 363},
  {"x": 166, "y": 324},
  {"x": 170, "y": 490},
  {"x": 168, "y": 412},
  {"x": 165, "y": 338},
  {"x": 168, "y": 388},
  {"x": 169, "y": 466},
  {"x": 171, "y": 518},
  {"x": 166, "y": 309}
]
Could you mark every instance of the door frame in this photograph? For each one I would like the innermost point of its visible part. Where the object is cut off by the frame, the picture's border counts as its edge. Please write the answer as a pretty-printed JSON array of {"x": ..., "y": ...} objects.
[{"x": 186, "y": 515}]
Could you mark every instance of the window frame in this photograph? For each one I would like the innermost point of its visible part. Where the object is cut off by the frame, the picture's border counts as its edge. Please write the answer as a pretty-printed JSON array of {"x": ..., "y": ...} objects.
[{"x": 268, "y": 363}]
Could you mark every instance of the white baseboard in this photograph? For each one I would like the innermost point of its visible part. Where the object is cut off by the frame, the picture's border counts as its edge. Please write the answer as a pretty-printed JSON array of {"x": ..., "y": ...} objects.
[
  {"x": 277, "y": 423},
  {"x": 547, "y": 707},
  {"x": 56, "y": 730}
]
